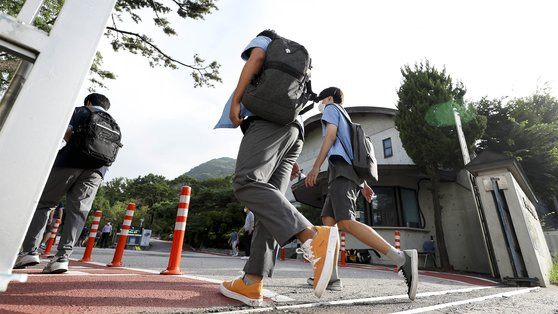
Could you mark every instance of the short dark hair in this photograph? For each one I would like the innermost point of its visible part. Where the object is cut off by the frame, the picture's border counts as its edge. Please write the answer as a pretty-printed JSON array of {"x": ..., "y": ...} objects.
[
  {"x": 269, "y": 33},
  {"x": 97, "y": 100},
  {"x": 335, "y": 92}
]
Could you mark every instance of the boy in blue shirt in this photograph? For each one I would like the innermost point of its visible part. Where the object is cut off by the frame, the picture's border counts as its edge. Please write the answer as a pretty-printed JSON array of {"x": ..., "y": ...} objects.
[
  {"x": 264, "y": 165},
  {"x": 343, "y": 189}
]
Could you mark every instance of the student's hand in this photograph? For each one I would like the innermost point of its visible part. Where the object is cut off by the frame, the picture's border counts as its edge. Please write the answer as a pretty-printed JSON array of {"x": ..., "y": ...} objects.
[
  {"x": 367, "y": 192},
  {"x": 312, "y": 177},
  {"x": 295, "y": 172},
  {"x": 234, "y": 114}
]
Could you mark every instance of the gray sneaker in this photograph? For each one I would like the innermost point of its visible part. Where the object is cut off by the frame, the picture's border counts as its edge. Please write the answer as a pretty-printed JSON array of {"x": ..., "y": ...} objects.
[
  {"x": 27, "y": 259},
  {"x": 57, "y": 265},
  {"x": 335, "y": 285},
  {"x": 410, "y": 271}
]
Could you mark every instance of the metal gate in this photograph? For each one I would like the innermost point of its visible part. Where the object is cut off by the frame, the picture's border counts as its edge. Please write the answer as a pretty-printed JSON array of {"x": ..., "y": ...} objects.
[{"x": 38, "y": 105}]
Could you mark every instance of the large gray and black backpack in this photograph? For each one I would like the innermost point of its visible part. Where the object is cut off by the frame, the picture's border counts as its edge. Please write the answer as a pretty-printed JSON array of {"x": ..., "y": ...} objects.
[
  {"x": 282, "y": 89},
  {"x": 97, "y": 140}
]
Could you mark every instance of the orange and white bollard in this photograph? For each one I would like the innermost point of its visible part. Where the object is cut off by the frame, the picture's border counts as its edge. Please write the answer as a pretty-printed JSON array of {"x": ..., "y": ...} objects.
[
  {"x": 282, "y": 253},
  {"x": 52, "y": 236},
  {"x": 92, "y": 236},
  {"x": 179, "y": 229},
  {"x": 117, "y": 259},
  {"x": 397, "y": 244},
  {"x": 343, "y": 251}
]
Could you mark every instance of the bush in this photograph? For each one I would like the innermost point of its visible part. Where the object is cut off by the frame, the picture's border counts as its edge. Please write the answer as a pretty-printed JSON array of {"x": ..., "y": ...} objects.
[{"x": 554, "y": 272}]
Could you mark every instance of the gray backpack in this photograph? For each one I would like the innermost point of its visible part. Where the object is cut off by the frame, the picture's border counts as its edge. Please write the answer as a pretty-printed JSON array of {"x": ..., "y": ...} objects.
[
  {"x": 282, "y": 89},
  {"x": 364, "y": 158}
]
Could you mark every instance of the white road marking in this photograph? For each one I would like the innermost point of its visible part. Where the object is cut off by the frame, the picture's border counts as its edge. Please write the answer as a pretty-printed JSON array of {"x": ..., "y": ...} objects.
[
  {"x": 480, "y": 299},
  {"x": 354, "y": 301}
]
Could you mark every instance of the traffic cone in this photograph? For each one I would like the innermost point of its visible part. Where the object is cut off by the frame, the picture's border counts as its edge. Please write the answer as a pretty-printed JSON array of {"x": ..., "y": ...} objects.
[
  {"x": 179, "y": 230},
  {"x": 397, "y": 244},
  {"x": 343, "y": 251},
  {"x": 92, "y": 236},
  {"x": 117, "y": 259},
  {"x": 52, "y": 237}
]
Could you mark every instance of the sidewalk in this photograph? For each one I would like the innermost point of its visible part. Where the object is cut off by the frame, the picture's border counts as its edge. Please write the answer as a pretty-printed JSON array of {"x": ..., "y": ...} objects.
[
  {"x": 95, "y": 288},
  {"x": 91, "y": 288}
]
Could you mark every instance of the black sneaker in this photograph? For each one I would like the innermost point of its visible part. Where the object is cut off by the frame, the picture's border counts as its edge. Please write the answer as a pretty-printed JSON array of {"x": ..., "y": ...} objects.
[
  {"x": 27, "y": 259},
  {"x": 410, "y": 271},
  {"x": 58, "y": 265}
]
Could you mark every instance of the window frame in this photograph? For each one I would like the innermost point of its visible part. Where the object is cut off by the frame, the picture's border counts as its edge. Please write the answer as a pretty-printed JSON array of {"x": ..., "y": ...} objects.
[{"x": 385, "y": 147}]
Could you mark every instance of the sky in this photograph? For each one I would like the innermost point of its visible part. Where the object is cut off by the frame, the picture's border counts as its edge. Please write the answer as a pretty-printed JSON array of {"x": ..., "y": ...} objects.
[{"x": 496, "y": 48}]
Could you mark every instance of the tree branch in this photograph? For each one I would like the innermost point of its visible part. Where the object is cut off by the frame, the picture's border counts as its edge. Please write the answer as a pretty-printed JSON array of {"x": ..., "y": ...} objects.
[{"x": 199, "y": 69}]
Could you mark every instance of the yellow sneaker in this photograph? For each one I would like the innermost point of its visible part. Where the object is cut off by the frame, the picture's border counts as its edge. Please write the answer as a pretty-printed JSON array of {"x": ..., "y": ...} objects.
[
  {"x": 248, "y": 294},
  {"x": 321, "y": 253}
]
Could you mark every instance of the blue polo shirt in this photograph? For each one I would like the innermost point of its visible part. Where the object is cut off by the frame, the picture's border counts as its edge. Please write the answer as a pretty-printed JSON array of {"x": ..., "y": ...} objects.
[{"x": 333, "y": 115}]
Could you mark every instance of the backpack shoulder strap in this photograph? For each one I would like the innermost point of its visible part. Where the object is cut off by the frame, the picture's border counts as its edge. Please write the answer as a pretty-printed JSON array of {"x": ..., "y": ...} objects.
[{"x": 344, "y": 112}]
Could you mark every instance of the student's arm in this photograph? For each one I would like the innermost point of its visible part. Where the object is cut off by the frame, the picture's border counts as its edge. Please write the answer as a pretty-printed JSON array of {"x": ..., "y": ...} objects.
[
  {"x": 295, "y": 172},
  {"x": 329, "y": 139},
  {"x": 367, "y": 192},
  {"x": 252, "y": 67},
  {"x": 68, "y": 134}
]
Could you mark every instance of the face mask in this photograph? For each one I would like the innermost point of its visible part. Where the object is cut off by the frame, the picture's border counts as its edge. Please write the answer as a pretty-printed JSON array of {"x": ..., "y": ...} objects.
[{"x": 321, "y": 107}]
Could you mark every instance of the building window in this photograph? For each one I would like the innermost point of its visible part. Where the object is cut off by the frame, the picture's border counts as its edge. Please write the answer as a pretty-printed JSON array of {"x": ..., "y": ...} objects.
[
  {"x": 409, "y": 208},
  {"x": 388, "y": 150},
  {"x": 394, "y": 207},
  {"x": 384, "y": 207}
]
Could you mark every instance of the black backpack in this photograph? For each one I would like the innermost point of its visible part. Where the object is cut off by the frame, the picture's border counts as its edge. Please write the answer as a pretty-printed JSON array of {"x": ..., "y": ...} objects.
[
  {"x": 282, "y": 89},
  {"x": 97, "y": 140},
  {"x": 364, "y": 159}
]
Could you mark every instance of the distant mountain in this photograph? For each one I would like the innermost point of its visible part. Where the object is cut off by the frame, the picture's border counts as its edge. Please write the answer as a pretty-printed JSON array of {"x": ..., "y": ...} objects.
[{"x": 215, "y": 168}]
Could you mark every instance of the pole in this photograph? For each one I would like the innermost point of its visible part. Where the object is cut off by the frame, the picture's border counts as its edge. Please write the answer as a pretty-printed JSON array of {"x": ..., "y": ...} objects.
[
  {"x": 343, "y": 251},
  {"x": 474, "y": 189},
  {"x": 52, "y": 236},
  {"x": 92, "y": 236},
  {"x": 179, "y": 230},
  {"x": 117, "y": 259},
  {"x": 397, "y": 244}
]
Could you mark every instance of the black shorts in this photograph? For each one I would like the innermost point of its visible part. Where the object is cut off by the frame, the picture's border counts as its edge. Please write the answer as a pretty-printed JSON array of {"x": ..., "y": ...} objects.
[{"x": 343, "y": 190}]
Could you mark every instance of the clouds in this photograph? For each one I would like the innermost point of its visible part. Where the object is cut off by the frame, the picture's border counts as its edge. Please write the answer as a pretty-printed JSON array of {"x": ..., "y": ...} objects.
[{"x": 496, "y": 48}]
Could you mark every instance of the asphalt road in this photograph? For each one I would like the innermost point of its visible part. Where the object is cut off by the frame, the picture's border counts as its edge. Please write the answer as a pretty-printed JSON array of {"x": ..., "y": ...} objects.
[{"x": 375, "y": 290}]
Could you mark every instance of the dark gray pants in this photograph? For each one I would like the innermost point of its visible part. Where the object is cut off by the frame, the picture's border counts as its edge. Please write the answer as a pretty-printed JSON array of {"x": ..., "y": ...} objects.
[
  {"x": 263, "y": 168},
  {"x": 80, "y": 187}
]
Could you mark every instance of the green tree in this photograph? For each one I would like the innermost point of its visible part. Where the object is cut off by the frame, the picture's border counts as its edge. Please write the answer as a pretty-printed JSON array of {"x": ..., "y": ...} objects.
[
  {"x": 425, "y": 121},
  {"x": 527, "y": 130},
  {"x": 128, "y": 13}
]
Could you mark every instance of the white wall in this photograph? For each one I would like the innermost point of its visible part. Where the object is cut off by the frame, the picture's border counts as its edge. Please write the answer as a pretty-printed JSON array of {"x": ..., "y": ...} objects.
[{"x": 462, "y": 227}]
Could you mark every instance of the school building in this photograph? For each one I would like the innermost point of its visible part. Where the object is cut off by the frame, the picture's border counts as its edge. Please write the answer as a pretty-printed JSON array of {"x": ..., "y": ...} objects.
[{"x": 475, "y": 236}]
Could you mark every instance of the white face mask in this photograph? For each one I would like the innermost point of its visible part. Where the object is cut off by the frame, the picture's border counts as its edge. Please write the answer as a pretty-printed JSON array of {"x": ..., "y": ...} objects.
[{"x": 321, "y": 107}]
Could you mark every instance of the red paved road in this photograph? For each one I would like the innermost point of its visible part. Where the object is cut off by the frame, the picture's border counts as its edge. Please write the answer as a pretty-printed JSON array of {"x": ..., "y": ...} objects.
[{"x": 89, "y": 288}]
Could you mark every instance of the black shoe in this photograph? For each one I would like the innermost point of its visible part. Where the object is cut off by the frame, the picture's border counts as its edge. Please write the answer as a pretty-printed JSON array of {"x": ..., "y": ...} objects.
[{"x": 410, "y": 271}]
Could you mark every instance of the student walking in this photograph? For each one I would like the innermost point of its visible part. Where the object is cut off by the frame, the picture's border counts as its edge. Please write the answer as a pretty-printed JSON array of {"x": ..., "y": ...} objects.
[
  {"x": 105, "y": 235},
  {"x": 76, "y": 175},
  {"x": 264, "y": 166},
  {"x": 343, "y": 190},
  {"x": 248, "y": 230},
  {"x": 233, "y": 241}
]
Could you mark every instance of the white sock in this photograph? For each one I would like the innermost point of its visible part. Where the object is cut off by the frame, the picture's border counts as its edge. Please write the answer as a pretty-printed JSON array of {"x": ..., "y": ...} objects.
[{"x": 396, "y": 256}]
